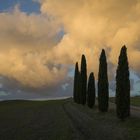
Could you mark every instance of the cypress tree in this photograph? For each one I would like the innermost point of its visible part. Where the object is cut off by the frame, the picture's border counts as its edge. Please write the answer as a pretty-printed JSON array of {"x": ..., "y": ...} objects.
[
  {"x": 123, "y": 86},
  {"x": 79, "y": 97},
  {"x": 91, "y": 91},
  {"x": 76, "y": 84},
  {"x": 83, "y": 80},
  {"x": 103, "y": 93}
]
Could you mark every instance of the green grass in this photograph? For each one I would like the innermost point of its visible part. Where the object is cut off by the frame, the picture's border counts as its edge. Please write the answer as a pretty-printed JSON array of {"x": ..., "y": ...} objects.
[
  {"x": 135, "y": 101},
  {"x": 27, "y": 120},
  {"x": 62, "y": 120}
]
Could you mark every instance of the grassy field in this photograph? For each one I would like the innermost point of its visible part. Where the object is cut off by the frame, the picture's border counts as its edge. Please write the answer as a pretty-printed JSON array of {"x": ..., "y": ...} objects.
[
  {"x": 135, "y": 101},
  {"x": 62, "y": 120}
]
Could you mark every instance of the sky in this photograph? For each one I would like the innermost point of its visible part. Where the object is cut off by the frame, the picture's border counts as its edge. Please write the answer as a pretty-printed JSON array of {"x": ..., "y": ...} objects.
[
  {"x": 28, "y": 6},
  {"x": 40, "y": 41}
]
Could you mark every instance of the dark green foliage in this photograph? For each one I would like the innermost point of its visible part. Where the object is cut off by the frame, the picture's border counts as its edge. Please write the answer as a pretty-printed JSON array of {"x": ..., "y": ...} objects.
[
  {"x": 83, "y": 80},
  {"x": 79, "y": 100},
  {"x": 123, "y": 86},
  {"x": 103, "y": 93},
  {"x": 91, "y": 91},
  {"x": 76, "y": 77}
]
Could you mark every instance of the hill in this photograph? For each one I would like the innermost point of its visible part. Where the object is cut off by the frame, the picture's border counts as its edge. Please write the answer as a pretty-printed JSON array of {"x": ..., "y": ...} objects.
[{"x": 63, "y": 120}]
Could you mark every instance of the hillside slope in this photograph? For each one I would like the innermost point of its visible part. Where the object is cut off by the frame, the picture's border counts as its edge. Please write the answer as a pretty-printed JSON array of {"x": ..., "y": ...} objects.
[{"x": 62, "y": 120}]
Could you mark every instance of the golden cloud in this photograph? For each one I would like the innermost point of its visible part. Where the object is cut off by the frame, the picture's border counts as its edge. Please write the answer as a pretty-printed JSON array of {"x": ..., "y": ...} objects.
[
  {"x": 26, "y": 48},
  {"x": 30, "y": 49},
  {"x": 95, "y": 24}
]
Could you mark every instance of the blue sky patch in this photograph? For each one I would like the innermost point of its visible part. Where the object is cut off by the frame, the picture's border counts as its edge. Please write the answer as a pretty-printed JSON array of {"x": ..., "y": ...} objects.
[{"x": 28, "y": 6}]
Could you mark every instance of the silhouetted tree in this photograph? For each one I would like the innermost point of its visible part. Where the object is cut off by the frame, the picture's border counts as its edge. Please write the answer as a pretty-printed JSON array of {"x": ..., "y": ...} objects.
[
  {"x": 103, "y": 93},
  {"x": 123, "y": 86},
  {"x": 91, "y": 91},
  {"x": 76, "y": 84},
  {"x": 79, "y": 100},
  {"x": 83, "y": 80}
]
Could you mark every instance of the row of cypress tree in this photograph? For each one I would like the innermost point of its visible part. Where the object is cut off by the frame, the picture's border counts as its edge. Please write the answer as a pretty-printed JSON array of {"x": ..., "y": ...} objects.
[{"x": 86, "y": 92}]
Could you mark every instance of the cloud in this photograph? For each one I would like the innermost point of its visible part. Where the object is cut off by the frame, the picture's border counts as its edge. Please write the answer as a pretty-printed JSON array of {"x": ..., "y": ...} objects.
[
  {"x": 39, "y": 49},
  {"x": 11, "y": 89},
  {"x": 95, "y": 24},
  {"x": 26, "y": 48}
]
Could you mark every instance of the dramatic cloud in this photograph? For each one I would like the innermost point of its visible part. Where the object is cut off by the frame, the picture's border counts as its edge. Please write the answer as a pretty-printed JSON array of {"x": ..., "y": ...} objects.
[
  {"x": 40, "y": 49},
  {"x": 26, "y": 43},
  {"x": 95, "y": 24}
]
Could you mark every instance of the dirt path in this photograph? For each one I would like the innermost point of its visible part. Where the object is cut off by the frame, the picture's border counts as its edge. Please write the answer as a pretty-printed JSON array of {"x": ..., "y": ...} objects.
[
  {"x": 135, "y": 111},
  {"x": 80, "y": 122},
  {"x": 86, "y": 127}
]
